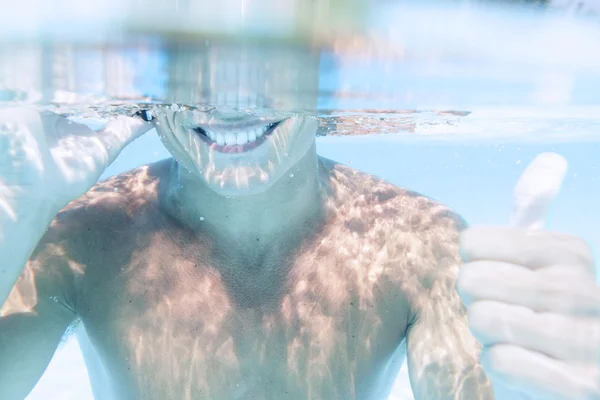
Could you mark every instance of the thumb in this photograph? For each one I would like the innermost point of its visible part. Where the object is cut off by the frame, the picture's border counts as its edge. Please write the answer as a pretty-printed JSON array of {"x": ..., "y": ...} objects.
[
  {"x": 121, "y": 131},
  {"x": 536, "y": 189}
]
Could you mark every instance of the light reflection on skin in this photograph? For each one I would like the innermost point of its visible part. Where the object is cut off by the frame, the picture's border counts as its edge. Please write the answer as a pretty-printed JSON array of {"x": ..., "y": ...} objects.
[
  {"x": 341, "y": 313},
  {"x": 197, "y": 282}
]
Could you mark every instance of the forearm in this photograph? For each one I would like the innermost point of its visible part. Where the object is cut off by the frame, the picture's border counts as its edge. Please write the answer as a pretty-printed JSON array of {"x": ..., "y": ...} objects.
[
  {"x": 444, "y": 384},
  {"x": 474, "y": 385},
  {"x": 443, "y": 355},
  {"x": 32, "y": 322},
  {"x": 21, "y": 229},
  {"x": 439, "y": 373}
]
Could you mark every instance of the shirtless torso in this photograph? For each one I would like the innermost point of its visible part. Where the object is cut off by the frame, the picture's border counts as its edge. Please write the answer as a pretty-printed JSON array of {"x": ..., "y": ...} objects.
[{"x": 171, "y": 319}]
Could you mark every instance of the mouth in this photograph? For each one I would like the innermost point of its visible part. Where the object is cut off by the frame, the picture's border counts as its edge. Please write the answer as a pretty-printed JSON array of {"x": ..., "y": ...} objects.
[{"x": 236, "y": 138}]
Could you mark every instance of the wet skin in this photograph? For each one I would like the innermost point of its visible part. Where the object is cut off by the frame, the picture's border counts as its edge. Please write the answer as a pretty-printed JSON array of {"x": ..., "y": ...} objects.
[{"x": 179, "y": 307}]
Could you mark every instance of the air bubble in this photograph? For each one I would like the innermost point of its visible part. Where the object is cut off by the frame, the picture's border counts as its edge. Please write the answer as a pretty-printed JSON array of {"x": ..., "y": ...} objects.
[
  {"x": 291, "y": 175},
  {"x": 201, "y": 218},
  {"x": 285, "y": 154}
]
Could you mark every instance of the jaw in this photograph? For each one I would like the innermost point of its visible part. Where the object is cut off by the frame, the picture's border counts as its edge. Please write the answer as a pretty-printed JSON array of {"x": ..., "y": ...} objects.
[{"x": 233, "y": 169}]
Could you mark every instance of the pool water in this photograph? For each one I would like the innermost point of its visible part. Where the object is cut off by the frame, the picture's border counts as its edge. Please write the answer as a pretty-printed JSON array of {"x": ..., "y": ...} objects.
[
  {"x": 452, "y": 101},
  {"x": 476, "y": 180}
]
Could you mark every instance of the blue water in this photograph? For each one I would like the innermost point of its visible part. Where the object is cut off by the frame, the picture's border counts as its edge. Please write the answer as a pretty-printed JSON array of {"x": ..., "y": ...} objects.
[
  {"x": 474, "y": 175},
  {"x": 475, "y": 180}
]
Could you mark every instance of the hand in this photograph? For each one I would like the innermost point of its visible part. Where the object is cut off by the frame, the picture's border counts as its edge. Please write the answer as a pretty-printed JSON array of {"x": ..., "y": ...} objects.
[
  {"x": 532, "y": 299},
  {"x": 48, "y": 160}
]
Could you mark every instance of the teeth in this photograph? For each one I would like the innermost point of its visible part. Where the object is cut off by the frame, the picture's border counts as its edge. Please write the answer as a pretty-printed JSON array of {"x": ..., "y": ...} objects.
[
  {"x": 237, "y": 138},
  {"x": 230, "y": 139},
  {"x": 242, "y": 138}
]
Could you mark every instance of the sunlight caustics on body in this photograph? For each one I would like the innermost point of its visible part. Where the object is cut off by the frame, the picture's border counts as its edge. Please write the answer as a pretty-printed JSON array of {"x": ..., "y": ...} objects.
[{"x": 225, "y": 255}]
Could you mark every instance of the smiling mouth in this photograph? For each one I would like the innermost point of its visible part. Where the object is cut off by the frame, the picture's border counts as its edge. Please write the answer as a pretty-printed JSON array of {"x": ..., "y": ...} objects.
[{"x": 235, "y": 139}]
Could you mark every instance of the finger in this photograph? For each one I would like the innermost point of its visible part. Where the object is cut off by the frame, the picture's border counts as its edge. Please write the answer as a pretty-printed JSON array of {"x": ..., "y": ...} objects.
[
  {"x": 58, "y": 127},
  {"x": 537, "y": 375},
  {"x": 121, "y": 131},
  {"x": 539, "y": 291},
  {"x": 536, "y": 189},
  {"x": 80, "y": 151},
  {"x": 533, "y": 249},
  {"x": 16, "y": 118},
  {"x": 571, "y": 339}
]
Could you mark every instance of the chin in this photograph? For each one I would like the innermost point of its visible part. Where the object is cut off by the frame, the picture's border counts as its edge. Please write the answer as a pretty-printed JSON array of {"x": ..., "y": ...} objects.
[{"x": 241, "y": 158}]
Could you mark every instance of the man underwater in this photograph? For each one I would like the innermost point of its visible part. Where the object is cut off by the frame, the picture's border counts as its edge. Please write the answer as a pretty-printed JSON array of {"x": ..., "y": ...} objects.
[{"x": 245, "y": 267}]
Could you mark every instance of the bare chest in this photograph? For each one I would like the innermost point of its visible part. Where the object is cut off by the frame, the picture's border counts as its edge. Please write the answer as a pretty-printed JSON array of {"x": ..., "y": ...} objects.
[{"x": 172, "y": 326}]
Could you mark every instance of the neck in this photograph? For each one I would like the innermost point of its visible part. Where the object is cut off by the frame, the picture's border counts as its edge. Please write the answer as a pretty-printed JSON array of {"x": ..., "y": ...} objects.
[{"x": 292, "y": 208}]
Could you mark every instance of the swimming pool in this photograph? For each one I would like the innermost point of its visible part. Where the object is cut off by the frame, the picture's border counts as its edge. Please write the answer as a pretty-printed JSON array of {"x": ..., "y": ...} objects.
[{"x": 455, "y": 110}]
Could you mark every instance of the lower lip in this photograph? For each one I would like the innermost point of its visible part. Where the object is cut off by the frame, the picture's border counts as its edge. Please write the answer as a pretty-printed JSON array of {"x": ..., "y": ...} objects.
[{"x": 236, "y": 148}]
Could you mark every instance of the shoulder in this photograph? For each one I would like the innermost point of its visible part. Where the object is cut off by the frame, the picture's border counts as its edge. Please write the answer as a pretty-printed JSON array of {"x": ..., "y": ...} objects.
[
  {"x": 105, "y": 215},
  {"x": 383, "y": 204},
  {"x": 413, "y": 237},
  {"x": 121, "y": 196},
  {"x": 93, "y": 222}
]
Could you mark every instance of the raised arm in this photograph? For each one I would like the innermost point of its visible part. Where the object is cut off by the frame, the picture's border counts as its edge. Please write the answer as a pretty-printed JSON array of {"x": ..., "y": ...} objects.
[
  {"x": 45, "y": 162},
  {"x": 35, "y": 316}
]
